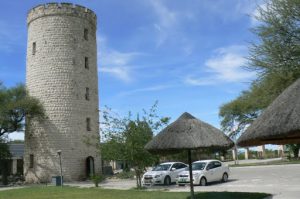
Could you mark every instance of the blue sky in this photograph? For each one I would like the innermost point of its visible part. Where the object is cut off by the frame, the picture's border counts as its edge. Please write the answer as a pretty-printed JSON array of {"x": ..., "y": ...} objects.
[{"x": 188, "y": 55}]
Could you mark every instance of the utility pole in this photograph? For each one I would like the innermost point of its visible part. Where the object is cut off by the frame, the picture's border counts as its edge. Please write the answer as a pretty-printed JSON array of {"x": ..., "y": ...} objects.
[{"x": 61, "y": 176}]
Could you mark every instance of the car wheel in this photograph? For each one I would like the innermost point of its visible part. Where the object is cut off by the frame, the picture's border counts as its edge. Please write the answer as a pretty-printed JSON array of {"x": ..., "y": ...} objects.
[
  {"x": 225, "y": 177},
  {"x": 167, "y": 180},
  {"x": 202, "y": 181}
]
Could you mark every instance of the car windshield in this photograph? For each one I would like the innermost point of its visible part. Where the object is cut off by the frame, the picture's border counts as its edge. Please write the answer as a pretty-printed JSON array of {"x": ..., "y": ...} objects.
[
  {"x": 197, "y": 166},
  {"x": 162, "y": 167}
]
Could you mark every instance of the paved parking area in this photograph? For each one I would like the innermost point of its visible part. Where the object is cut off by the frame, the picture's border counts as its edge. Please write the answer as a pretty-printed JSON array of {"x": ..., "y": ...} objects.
[{"x": 283, "y": 181}]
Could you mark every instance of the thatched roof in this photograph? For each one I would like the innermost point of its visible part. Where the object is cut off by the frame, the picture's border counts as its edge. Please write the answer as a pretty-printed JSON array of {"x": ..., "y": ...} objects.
[
  {"x": 187, "y": 132},
  {"x": 279, "y": 123}
]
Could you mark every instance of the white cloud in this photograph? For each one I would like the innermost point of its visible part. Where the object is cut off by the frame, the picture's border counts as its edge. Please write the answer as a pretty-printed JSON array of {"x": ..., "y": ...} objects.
[
  {"x": 256, "y": 13},
  {"x": 235, "y": 9},
  {"x": 111, "y": 57},
  {"x": 147, "y": 89},
  {"x": 225, "y": 65},
  {"x": 167, "y": 18},
  {"x": 171, "y": 19},
  {"x": 251, "y": 8},
  {"x": 198, "y": 82},
  {"x": 168, "y": 26},
  {"x": 114, "y": 62},
  {"x": 121, "y": 73},
  {"x": 166, "y": 21}
]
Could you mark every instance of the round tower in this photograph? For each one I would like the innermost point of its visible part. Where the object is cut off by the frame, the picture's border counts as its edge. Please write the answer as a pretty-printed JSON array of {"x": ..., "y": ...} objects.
[{"x": 61, "y": 71}]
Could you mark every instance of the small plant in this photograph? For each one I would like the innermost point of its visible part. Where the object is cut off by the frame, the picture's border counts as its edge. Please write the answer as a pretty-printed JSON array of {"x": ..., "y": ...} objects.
[
  {"x": 97, "y": 179},
  {"x": 126, "y": 175}
]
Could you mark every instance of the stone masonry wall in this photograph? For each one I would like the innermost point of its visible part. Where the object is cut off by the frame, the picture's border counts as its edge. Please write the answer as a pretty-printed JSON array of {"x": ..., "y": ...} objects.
[{"x": 57, "y": 76}]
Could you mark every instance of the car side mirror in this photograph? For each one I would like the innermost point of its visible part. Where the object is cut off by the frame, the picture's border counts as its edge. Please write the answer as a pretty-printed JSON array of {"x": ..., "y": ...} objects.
[
  {"x": 173, "y": 169},
  {"x": 207, "y": 168}
]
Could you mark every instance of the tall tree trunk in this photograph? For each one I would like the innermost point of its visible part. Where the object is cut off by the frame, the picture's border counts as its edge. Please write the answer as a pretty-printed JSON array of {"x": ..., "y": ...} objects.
[
  {"x": 138, "y": 178},
  {"x": 140, "y": 183}
]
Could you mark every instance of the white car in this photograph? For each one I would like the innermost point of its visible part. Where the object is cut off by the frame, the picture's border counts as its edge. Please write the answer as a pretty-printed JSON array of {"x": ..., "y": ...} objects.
[
  {"x": 204, "y": 171},
  {"x": 164, "y": 173}
]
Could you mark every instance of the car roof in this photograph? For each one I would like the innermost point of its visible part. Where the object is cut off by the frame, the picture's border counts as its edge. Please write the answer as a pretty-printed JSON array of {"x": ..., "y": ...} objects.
[
  {"x": 206, "y": 161},
  {"x": 172, "y": 162}
]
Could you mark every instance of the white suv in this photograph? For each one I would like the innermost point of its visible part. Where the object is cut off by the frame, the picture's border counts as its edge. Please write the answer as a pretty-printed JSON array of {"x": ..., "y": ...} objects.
[{"x": 164, "y": 173}]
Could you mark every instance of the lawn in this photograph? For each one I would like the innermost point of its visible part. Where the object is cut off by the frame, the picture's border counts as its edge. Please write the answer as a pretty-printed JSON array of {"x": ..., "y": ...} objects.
[{"x": 91, "y": 193}]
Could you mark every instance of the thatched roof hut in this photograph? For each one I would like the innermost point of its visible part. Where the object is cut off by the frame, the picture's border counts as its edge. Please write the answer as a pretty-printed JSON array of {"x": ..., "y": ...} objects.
[
  {"x": 187, "y": 132},
  {"x": 279, "y": 123}
]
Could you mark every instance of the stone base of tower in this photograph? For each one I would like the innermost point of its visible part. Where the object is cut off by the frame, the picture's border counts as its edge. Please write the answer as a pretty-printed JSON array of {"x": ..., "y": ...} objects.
[
  {"x": 80, "y": 157},
  {"x": 78, "y": 169}
]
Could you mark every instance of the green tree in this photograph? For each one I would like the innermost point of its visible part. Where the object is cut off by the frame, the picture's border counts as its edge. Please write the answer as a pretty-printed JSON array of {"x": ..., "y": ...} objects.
[
  {"x": 138, "y": 134},
  {"x": 237, "y": 114},
  {"x": 124, "y": 138},
  {"x": 16, "y": 104},
  {"x": 294, "y": 148},
  {"x": 277, "y": 50},
  {"x": 275, "y": 56}
]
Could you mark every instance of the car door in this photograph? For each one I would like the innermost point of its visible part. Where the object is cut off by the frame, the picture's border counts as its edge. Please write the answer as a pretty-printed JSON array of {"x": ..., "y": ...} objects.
[
  {"x": 217, "y": 170},
  {"x": 173, "y": 172},
  {"x": 180, "y": 167},
  {"x": 209, "y": 173}
]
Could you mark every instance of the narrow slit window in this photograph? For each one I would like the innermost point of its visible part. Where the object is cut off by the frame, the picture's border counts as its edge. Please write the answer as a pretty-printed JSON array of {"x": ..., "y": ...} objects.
[
  {"x": 88, "y": 124},
  {"x": 87, "y": 93},
  {"x": 33, "y": 48},
  {"x": 86, "y": 34},
  {"x": 31, "y": 158},
  {"x": 86, "y": 62}
]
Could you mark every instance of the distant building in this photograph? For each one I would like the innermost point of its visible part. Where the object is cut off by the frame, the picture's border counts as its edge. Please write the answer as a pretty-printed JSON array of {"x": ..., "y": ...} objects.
[
  {"x": 261, "y": 151},
  {"x": 16, "y": 164}
]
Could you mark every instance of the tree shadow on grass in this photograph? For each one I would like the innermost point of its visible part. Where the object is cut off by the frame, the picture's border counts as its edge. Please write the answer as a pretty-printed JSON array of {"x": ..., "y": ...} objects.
[{"x": 231, "y": 195}]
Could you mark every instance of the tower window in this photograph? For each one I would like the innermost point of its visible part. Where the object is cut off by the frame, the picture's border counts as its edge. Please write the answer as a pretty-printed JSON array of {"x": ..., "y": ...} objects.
[
  {"x": 33, "y": 48},
  {"x": 86, "y": 62},
  {"x": 87, "y": 93},
  {"x": 88, "y": 124},
  {"x": 31, "y": 158},
  {"x": 86, "y": 34}
]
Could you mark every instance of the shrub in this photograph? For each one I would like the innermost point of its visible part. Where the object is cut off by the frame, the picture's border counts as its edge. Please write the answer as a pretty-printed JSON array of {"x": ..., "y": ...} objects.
[
  {"x": 126, "y": 175},
  {"x": 97, "y": 179}
]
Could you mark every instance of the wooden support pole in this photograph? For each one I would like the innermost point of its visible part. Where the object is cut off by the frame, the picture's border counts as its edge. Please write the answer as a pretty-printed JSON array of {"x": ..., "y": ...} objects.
[{"x": 191, "y": 174}]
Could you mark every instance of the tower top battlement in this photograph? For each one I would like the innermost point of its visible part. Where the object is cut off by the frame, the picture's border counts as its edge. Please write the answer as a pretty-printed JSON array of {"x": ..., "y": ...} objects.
[{"x": 64, "y": 9}]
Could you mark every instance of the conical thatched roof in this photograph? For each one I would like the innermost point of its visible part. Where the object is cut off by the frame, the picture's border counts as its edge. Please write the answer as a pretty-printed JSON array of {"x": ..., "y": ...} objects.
[
  {"x": 279, "y": 123},
  {"x": 187, "y": 132}
]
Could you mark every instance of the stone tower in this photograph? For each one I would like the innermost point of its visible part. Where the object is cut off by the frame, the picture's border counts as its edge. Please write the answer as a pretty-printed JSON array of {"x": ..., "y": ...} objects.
[{"x": 61, "y": 71}]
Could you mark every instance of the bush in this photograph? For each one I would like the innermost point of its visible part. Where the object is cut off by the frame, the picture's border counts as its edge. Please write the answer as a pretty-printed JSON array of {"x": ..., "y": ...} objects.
[
  {"x": 126, "y": 175},
  {"x": 97, "y": 179}
]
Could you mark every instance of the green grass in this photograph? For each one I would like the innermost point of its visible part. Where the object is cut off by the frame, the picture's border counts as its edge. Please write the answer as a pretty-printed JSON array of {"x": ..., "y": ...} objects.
[
  {"x": 275, "y": 162},
  {"x": 91, "y": 193}
]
